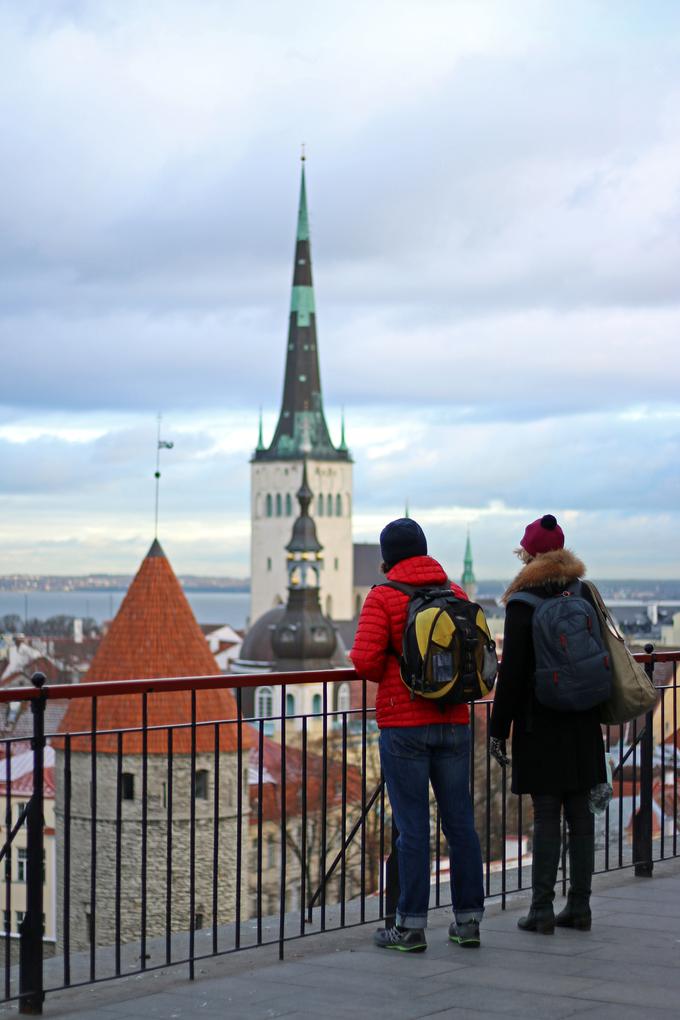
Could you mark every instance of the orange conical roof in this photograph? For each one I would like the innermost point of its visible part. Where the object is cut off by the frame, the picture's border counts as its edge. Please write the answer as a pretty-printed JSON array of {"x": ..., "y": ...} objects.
[{"x": 154, "y": 634}]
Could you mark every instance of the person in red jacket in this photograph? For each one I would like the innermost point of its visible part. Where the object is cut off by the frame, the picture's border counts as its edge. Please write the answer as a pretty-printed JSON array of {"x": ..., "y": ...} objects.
[{"x": 420, "y": 743}]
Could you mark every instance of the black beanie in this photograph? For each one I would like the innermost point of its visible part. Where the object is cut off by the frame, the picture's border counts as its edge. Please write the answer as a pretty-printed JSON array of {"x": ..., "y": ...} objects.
[{"x": 402, "y": 539}]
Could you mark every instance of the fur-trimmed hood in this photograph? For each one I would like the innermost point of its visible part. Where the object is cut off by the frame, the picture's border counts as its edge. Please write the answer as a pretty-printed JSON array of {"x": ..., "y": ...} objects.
[{"x": 557, "y": 567}]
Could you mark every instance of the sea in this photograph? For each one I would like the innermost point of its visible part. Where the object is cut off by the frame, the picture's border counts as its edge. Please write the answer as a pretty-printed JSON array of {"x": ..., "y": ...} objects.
[
  {"x": 209, "y": 606},
  {"x": 233, "y": 607}
]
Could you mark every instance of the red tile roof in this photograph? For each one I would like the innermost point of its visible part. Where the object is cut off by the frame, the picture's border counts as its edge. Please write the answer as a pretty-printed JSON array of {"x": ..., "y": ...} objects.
[
  {"x": 154, "y": 634},
  {"x": 271, "y": 782}
]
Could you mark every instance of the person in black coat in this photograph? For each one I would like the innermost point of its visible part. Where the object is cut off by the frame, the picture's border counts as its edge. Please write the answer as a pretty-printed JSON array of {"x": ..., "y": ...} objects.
[{"x": 557, "y": 757}]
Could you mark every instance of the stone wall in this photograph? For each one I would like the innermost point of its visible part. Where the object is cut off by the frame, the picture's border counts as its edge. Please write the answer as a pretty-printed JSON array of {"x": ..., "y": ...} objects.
[{"x": 157, "y": 846}]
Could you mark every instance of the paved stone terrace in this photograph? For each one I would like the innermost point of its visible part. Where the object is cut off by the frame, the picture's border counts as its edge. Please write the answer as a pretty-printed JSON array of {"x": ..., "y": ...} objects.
[{"x": 627, "y": 967}]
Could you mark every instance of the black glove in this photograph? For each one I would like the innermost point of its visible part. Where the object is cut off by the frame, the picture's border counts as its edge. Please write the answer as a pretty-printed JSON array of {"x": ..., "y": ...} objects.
[{"x": 497, "y": 749}]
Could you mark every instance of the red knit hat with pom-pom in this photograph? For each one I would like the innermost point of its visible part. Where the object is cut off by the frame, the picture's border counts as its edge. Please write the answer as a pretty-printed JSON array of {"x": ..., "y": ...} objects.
[{"x": 542, "y": 536}]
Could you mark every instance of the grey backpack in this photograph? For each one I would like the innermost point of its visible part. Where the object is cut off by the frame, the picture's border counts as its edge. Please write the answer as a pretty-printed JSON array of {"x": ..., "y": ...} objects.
[{"x": 573, "y": 671}]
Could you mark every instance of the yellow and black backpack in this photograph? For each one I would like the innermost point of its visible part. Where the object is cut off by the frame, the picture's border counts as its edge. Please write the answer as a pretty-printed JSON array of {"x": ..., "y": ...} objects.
[{"x": 448, "y": 654}]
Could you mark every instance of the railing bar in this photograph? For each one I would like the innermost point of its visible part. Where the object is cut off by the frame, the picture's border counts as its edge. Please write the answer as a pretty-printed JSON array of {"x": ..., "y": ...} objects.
[
  {"x": 260, "y": 766},
  {"x": 284, "y": 819},
  {"x": 364, "y": 699},
  {"x": 635, "y": 781},
  {"x": 145, "y": 821},
  {"x": 487, "y": 806},
  {"x": 381, "y": 857},
  {"x": 8, "y": 866},
  {"x": 324, "y": 802},
  {"x": 620, "y": 847},
  {"x": 504, "y": 823},
  {"x": 663, "y": 776},
  {"x": 216, "y": 836},
  {"x": 168, "y": 849},
  {"x": 239, "y": 815},
  {"x": 343, "y": 823},
  {"x": 675, "y": 759},
  {"x": 192, "y": 843},
  {"x": 303, "y": 833},
  {"x": 93, "y": 842},
  {"x": 66, "y": 907},
  {"x": 606, "y": 813},
  {"x": 118, "y": 849}
]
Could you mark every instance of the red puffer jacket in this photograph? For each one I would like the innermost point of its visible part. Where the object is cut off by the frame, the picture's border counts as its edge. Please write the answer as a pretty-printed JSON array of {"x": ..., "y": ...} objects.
[{"x": 379, "y": 635}]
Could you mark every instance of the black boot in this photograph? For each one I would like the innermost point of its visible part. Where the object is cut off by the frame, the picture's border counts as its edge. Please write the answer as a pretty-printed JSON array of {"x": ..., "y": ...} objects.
[
  {"x": 541, "y": 918},
  {"x": 577, "y": 914}
]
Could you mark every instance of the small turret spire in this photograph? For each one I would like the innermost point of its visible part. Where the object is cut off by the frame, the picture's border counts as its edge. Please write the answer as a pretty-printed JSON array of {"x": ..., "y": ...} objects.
[
  {"x": 468, "y": 580},
  {"x": 260, "y": 441}
]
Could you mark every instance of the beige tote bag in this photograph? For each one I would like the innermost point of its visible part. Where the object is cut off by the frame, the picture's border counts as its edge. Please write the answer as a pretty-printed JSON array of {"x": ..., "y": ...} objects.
[{"x": 633, "y": 693}]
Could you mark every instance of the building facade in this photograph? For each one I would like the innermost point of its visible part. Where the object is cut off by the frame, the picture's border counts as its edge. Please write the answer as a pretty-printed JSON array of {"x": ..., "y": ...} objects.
[{"x": 276, "y": 470}]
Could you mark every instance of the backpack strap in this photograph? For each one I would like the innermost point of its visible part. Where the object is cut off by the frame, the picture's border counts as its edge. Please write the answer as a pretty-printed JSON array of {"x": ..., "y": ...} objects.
[
  {"x": 405, "y": 589},
  {"x": 525, "y": 596}
]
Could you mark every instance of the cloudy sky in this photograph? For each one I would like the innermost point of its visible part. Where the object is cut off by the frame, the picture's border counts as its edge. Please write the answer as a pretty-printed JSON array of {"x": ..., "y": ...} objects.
[{"x": 494, "y": 194}]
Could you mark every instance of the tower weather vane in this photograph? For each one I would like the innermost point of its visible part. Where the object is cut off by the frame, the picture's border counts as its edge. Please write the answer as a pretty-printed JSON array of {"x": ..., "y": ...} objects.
[{"x": 161, "y": 444}]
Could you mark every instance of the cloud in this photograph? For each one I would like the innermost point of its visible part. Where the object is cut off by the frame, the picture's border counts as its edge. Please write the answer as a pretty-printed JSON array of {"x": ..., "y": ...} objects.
[{"x": 495, "y": 213}]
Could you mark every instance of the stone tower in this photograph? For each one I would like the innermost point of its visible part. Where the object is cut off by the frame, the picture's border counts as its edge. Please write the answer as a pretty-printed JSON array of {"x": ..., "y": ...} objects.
[
  {"x": 468, "y": 582},
  {"x": 276, "y": 470},
  {"x": 154, "y": 634}
]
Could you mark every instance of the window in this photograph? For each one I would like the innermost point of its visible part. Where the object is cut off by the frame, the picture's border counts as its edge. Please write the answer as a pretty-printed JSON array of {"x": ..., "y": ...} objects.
[
  {"x": 128, "y": 786},
  {"x": 264, "y": 703},
  {"x": 201, "y": 784},
  {"x": 269, "y": 563},
  {"x": 343, "y": 698},
  {"x": 329, "y": 605},
  {"x": 289, "y": 505},
  {"x": 336, "y": 563},
  {"x": 338, "y": 505},
  {"x": 320, "y": 506},
  {"x": 357, "y": 606},
  {"x": 268, "y": 504},
  {"x": 279, "y": 504},
  {"x": 329, "y": 505},
  {"x": 290, "y": 704},
  {"x": 22, "y": 861},
  {"x": 6, "y": 919},
  {"x": 20, "y": 807},
  {"x": 316, "y": 704},
  {"x": 198, "y": 922},
  {"x": 20, "y": 914}
]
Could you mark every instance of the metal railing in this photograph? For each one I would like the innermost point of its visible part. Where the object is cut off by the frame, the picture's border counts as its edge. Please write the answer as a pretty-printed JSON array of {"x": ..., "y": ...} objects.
[{"x": 267, "y": 838}]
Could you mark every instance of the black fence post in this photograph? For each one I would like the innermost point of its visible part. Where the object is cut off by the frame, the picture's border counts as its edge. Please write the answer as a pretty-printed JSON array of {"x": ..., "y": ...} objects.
[
  {"x": 392, "y": 880},
  {"x": 642, "y": 825},
  {"x": 31, "y": 993}
]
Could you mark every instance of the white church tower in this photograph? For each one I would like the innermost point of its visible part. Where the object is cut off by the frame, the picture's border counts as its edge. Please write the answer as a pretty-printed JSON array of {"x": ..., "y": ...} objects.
[{"x": 276, "y": 470}]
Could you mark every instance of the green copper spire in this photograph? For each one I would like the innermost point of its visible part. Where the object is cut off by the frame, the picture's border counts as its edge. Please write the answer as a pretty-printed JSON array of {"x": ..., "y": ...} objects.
[
  {"x": 260, "y": 442},
  {"x": 303, "y": 219},
  {"x": 343, "y": 443},
  {"x": 302, "y": 428},
  {"x": 468, "y": 578}
]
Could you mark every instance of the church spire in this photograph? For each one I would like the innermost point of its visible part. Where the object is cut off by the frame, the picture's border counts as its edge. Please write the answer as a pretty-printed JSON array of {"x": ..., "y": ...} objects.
[
  {"x": 302, "y": 418},
  {"x": 468, "y": 581}
]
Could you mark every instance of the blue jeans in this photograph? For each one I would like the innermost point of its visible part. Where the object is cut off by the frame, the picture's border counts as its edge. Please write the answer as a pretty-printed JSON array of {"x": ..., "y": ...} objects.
[{"x": 412, "y": 757}]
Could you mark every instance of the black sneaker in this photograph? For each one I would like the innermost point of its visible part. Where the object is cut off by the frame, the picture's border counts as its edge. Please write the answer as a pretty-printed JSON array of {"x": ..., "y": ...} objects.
[
  {"x": 407, "y": 940},
  {"x": 466, "y": 934}
]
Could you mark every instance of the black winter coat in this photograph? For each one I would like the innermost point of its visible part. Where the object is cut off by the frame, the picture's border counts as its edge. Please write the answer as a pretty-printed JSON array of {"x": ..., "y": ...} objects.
[{"x": 552, "y": 752}]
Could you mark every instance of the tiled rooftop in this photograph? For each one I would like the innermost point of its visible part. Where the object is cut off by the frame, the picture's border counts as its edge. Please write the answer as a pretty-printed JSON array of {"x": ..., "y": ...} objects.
[
  {"x": 154, "y": 634},
  {"x": 625, "y": 968}
]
